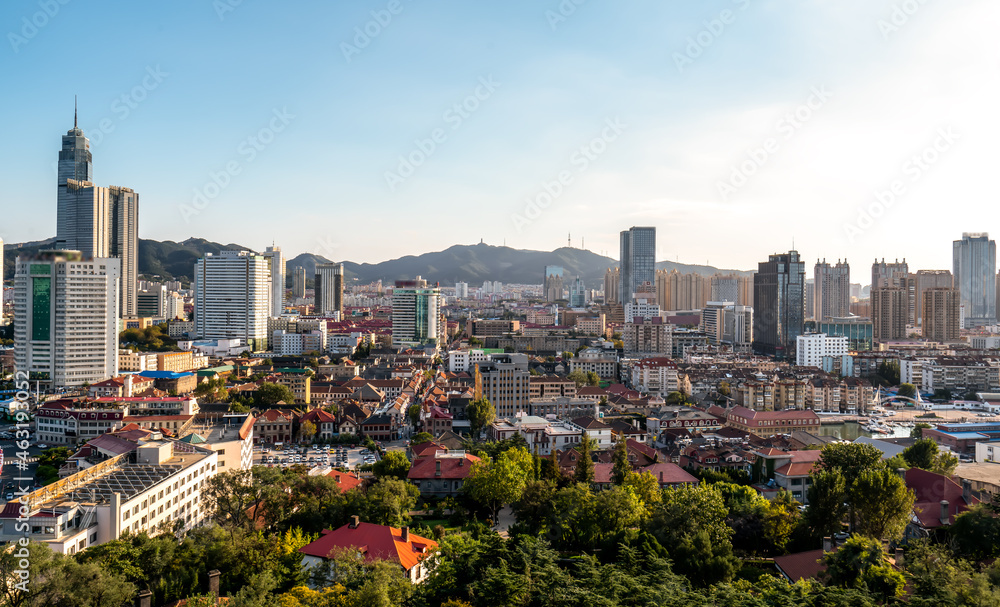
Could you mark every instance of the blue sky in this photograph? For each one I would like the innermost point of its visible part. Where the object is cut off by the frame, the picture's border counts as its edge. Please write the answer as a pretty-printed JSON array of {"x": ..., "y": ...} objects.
[{"x": 252, "y": 121}]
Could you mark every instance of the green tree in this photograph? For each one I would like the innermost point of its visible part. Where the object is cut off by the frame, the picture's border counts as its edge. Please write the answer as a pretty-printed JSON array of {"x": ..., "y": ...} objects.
[
  {"x": 420, "y": 438},
  {"x": 481, "y": 414},
  {"x": 389, "y": 501},
  {"x": 827, "y": 494},
  {"x": 235, "y": 498},
  {"x": 889, "y": 371},
  {"x": 307, "y": 430},
  {"x": 501, "y": 481},
  {"x": 579, "y": 376},
  {"x": 861, "y": 563},
  {"x": 852, "y": 459},
  {"x": 593, "y": 379},
  {"x": 270, "y": 394},
  {"x": 882, "y": 504},
  {"x": 907, "y": 390},
  {"x": 393, "y": 464},
  {"x": 924, "y": 454},
  {"x": 976, "y": 533},
  {"x": 918, "y": 430},
  {"x": 621, "y": 466},
  {"x": 584, "y": 472},
  {"x": 413, "y": 413}
]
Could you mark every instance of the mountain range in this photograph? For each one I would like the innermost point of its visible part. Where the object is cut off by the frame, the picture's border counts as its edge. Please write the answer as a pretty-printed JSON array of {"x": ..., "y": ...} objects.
[{"x": 473, "y": 264}]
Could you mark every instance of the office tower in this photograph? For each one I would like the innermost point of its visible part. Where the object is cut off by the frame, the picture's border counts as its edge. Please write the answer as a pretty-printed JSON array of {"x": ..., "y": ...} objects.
[
  {"x": 890, "y": 313},
  {"x": 713, "y": 320},
  {"x": 738, "y": 326},
  {"x": 276, "y": 265},
  {"x": 810, "y": 298},
  {"x": 462, "y": 290},
  {"x": 298, "y": 283},
  {"x": 577, "y": 293},
  {"x": 940, "y": 313},
  {"x": 929, "y": 279},
  {"x": 612, "y": 282},
  {"x": 329, "y": 288},
  {"x": 98, "y": 222},
  {"x": 416, "y": 314},
  {"x": 505, "y": 383},
  {"x": 832, "y": 295},
  {"x": 779, "y": 300},
  {"x": 232, "y": 297},
  {"x": 553, "y": 283},
  {"x": 638, "y": 260},
  {"x": 66, "y": 317},
  {"x": 151, "y": 301},
  {"x": 974, "y": 265}
]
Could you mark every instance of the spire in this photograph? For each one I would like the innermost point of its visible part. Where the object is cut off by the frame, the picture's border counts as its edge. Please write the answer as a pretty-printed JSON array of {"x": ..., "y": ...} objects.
[{"x": 74, "y": 111}]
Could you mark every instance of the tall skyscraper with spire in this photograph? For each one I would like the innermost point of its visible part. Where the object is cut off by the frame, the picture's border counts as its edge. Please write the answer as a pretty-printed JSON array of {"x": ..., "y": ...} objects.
[{"x": 98, "y": 222}]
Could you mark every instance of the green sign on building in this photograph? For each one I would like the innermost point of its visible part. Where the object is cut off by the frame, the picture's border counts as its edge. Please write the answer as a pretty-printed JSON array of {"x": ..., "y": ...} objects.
[{"x": 41, "y": 307}]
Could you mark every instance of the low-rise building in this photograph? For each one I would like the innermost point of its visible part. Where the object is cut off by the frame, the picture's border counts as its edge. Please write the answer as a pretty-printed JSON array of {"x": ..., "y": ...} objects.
[
  {"x": 441, "y": 473},
  {"x": 596, "y": 360},
  {"x": 374, "y": 543},
  {"x": 768, "y": 423}
]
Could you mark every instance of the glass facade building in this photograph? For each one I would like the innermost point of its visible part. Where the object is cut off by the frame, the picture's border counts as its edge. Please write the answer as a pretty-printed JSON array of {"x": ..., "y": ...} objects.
[
  {"x": 638, "y": 261},
  {"x": 779, "y": 304},
  {"x": 974, "y": 265}
]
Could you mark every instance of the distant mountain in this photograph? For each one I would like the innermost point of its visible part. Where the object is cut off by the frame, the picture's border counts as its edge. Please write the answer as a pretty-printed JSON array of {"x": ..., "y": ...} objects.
[{"x": 473, "y": 264}]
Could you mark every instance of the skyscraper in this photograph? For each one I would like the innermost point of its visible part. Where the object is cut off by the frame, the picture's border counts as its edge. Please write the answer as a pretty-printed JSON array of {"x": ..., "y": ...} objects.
[
  {"x": 298, "y": 283},
  {"x": 612, "y": 282},
  {"x": 329, "y": 288},
  {"x": 552, "y": 284},
  {"x": 887, "y": 324},
  {"x": 232, "y": 297},
  {"x": 98, "y": 222},
  {"x": 779, "y": 300},
  {"x": 974, "y": 265},
  {"x": 941, "y": 314},
  {"x": 832, "y": 295},
  {"x": 276, "y": 264},
  {"x": 416, "y": 314},
  {"x": 638, "y": 261},
  {"x": 577, "y": 293},
  {"x": 66, "y": 317},
  {"x": 930, "y": 279}
]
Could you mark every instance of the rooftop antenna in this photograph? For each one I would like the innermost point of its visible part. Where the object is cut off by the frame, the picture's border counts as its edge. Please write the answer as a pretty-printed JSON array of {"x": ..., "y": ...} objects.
[
  {"x": 569, "y": 241},
  {"x": 74, "y": 111}
]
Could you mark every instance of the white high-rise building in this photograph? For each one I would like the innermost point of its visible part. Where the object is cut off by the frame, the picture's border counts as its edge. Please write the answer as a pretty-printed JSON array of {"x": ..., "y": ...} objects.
[
  {"x": 713, "y": 320},
  {"x": 66, "y": 317},
  {"x": 462, "y": 290},
  {"x": 232, "y": 297},
  {"x": 276, "y": 263},
  {"x": 811, "y": 348},
  {"x": 642, "y": 305},
  {"x": 416, "y": 314},
  {"x": 738, "y": 329}
]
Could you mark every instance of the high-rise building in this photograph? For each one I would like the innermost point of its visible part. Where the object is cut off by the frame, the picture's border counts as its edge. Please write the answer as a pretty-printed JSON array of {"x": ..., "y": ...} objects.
[
  {"x": 731, "y": 287},
  {"x": 940, "y": 313},
  {"x": 98, "y": 222},
  {"x": 553, "y": 283},
  {"x": 298, "y": 283},
  {"x": 676, "y": 291},
  {"x": 577, "y": 293},
  {"x": 505, "y": 383},
  {"x": 66, "y": 317},
  {"x": 232, "y": 297},
  {"x": 738, "y": 326},
  {"x": 889, "y": 274},
  {"x": 151, "y": 301},
  {"x": 779, "y": 304},
  {"x": 416, "y": 314},
  {"x": 974, "y": 265},
  {"x": 832, "y": 294},
  {"x": 713, "y": 320},
  {"x": 638, "y": 260},
  {"x": 462, "y": 290},
  {"x": 929, "y": 279},
  {"x": 612, "y": 282},
  {"x": 890, "y": 313},
  {"x": 811, "y": 348},
  {"x": 276, "y": 264},
  {"x": 329, "y": 288}
]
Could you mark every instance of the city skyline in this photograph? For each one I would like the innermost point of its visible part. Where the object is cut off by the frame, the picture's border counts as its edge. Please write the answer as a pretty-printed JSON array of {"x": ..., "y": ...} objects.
[{"x": 655, "y": 155}]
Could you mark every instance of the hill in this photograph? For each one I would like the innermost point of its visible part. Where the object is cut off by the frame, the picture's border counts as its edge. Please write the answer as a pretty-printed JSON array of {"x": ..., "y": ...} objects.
[{"x": 473, "y": 264}]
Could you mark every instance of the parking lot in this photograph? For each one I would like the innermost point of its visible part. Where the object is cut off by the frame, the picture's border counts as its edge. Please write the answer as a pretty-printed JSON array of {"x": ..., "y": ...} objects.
[
  {"x": 333, "y": 456},
  {"x": 12, "y": 466}
]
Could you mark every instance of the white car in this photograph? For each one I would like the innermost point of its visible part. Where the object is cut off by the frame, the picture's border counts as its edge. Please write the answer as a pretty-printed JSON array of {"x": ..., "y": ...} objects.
[{"x": 43, "y": 446}]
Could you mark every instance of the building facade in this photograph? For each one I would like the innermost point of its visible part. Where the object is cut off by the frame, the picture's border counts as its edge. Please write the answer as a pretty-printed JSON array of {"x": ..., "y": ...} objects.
[
  {"x": 232, "y": 297},
  {"x": 832, "y": 295},
  {"x": 974, "y": 264},
  {"x": 638, "y": 260},
  {"x": 329, "y": 288},
  {"x": 779, "y": 304}
]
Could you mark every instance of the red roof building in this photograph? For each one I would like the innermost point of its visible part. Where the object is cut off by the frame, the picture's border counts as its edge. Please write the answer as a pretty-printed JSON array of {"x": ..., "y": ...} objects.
[
  {"x": 442, "y": 473},
  {"x": 938, "y": 501},
  {"x": 373, "y": 543}
]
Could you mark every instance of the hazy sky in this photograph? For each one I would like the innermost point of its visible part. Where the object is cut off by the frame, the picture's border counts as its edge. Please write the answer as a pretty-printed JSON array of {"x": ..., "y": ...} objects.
[{"x": 732, "y": 126}]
